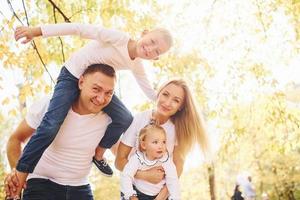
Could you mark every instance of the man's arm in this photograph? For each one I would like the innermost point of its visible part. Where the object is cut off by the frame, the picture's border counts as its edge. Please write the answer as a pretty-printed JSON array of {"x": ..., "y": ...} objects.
[
  {"x": 19, "y": 136},
  {"x": 16, "y": 180}
]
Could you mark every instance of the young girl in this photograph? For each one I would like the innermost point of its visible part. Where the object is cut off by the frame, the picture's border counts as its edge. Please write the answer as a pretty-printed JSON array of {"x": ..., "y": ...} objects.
[
  {"x": 151, "y": 152},
  {"x": 177, "y": 113},
  {"x": 109, "y": 47}
]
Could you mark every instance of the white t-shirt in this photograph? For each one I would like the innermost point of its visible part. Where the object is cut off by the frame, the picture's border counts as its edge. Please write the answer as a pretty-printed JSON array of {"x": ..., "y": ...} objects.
[
  {"x": 107, "y": 47},
  {"x": 140, "y": 120},
  {"x": 139, "y": 161},
  {"x": 68, "y": 159}
]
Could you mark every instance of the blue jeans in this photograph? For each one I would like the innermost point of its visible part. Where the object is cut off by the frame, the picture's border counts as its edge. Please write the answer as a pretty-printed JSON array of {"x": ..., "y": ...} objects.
[
  {"x": 66, "y": 92},
  {"x": 140, "y": 195},
  {"x": 39, "y": 188}
]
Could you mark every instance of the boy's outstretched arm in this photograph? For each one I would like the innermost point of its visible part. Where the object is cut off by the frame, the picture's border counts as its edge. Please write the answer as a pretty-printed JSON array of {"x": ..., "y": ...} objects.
[{"x": 27, "y": 32}]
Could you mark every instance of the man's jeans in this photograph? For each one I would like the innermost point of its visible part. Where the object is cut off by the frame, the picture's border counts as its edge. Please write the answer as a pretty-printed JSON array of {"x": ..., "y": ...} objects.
[
  {"x": 44, "y": 189},
  {"x": 65, "y": 94}
]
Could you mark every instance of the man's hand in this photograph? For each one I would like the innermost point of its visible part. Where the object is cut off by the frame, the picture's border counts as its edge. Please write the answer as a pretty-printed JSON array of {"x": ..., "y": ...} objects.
[
  {"x": 13, "y": 183},
  {"x": 27, "y": 32},
  {"x": 153, "y": 175}
]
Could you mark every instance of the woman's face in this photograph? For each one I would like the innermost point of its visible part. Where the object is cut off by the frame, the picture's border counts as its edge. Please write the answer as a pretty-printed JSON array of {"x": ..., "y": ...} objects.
[{"x": 170, "y": 100}]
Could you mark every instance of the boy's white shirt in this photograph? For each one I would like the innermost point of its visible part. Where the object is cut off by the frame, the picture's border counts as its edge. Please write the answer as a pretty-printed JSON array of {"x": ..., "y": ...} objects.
[
  {"x": 137, "y": 162},
  {"x": 107, "y": 47},
  {"x": 68, "y": 159}
]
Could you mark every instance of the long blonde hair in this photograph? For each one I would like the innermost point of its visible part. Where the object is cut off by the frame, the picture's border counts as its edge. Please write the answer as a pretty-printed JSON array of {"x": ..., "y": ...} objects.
[{"x": 189, "y": 124}]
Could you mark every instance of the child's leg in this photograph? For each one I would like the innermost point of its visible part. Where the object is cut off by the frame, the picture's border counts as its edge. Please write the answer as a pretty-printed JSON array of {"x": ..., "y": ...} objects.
[
  {"x": 99, "y": 153},
  {"x": 65, "y": 93},
  {"x": 121, "y": 119}
]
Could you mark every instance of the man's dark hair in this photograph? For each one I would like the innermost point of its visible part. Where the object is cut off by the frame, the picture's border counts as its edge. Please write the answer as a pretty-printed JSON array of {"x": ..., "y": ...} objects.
[{"x": 103, "y": 68}]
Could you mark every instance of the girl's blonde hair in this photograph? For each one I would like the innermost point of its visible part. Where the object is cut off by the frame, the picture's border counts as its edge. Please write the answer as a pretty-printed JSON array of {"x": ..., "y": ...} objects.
[
  {"x": 189, "y": 124},
  {"x": 166, "y": 35},
  {"x": 150, "y": 128}
]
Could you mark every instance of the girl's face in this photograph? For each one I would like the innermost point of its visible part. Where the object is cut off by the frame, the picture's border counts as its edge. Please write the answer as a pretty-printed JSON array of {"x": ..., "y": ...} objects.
[
  {"x": 170, "y": 100},
  {"x": 154, "y": 144},
  {"x": 151, "y": 45}
]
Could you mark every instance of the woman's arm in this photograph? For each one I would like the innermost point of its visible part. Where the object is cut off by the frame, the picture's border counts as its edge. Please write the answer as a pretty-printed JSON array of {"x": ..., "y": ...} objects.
[
  {"x": 179, "y": 162},
  {"x": 122, "y": 156}
]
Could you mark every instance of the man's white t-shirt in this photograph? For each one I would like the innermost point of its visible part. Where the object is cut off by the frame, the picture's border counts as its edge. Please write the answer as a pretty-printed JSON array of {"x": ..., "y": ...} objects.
[{"x": 68, "y": 159}]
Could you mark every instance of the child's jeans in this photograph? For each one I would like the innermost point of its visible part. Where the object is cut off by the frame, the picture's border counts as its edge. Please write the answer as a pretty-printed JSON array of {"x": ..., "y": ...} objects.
[{"x": 65, "y": 94}]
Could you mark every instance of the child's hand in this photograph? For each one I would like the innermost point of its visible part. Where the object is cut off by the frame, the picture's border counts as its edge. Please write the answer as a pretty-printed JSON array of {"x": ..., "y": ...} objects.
[{"x": 28, "y": 33}]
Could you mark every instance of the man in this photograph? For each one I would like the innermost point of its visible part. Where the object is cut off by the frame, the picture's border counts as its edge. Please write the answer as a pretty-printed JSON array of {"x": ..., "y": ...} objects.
[{"x": 62, "y": 171}]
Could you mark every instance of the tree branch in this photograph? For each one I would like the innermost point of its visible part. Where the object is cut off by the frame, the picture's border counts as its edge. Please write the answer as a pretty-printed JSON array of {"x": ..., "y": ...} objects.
[
  {"x": 35, "y": 47},
  {"x": 59, "y": 10},
  {"x": 61, "y": 42}
]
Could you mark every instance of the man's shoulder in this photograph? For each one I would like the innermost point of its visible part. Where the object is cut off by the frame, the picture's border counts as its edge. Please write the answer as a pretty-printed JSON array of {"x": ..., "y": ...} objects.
[{"x": 40, "y": 105}]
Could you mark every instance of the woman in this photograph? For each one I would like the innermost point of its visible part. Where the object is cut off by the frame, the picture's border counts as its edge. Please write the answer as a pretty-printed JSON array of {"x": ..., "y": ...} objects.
[{"x": 177, "y": 114}]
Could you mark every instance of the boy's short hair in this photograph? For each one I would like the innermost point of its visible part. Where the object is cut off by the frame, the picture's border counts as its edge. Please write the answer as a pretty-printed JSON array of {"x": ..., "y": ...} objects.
[{"x": 103, "y": 68}]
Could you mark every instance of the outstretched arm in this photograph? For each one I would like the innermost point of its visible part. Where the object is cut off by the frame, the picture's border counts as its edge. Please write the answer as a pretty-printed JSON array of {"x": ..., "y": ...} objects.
[
  {"x": 28, "y": 33},
  {"x": 86, "y": 31}
]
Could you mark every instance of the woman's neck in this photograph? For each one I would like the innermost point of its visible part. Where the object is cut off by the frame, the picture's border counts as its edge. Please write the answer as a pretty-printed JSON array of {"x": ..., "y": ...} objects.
[{"x": 160, "y": 118}]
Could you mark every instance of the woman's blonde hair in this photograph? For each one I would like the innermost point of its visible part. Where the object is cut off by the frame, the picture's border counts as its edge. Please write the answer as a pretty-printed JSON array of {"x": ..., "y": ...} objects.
[
  {"x": 150, "y": 128},
  {"x": 189, "y": 124}
]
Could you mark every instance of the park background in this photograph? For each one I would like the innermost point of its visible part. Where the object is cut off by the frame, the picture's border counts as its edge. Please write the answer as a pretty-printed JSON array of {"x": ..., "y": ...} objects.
[{"x": 241, "y": 58}]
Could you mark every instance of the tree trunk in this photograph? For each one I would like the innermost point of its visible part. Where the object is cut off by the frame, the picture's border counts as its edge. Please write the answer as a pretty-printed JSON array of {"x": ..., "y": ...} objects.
[{"x": 211, "y": 179}]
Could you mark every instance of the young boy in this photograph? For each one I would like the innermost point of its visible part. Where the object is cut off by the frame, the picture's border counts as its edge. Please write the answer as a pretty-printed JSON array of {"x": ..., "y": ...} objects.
[{"x": 109, "y": 47}]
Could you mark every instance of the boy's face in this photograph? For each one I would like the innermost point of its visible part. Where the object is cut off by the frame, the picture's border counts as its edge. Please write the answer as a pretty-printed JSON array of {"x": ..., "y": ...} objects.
[
  {"x": 151, "y": 45},
  {"x": 96, "y": 91},
  {"x": 155, "y": 144}
]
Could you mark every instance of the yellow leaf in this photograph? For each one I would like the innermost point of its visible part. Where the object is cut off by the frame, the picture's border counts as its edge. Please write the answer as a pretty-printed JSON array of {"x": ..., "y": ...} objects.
[
  {"x": 5, "y": 101},
  {"x": 47, "y": 89},
  {"x": 12, "y": 112}
]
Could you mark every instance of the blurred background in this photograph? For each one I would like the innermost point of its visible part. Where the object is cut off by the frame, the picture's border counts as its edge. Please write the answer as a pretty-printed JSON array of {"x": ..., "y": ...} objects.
[{"x": 241, "y": 57}]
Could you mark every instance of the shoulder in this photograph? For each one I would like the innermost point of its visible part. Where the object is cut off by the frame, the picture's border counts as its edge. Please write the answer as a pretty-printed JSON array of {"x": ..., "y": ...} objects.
[
  {"x": 40, "y": 105},
  {"x": 36, "y": 111}
]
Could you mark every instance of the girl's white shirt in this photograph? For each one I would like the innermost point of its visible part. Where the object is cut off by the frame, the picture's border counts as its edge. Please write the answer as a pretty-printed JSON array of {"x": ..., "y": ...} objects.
[
  {"x": 107, "y": 46},
  {"x": 139, "y": 161}
]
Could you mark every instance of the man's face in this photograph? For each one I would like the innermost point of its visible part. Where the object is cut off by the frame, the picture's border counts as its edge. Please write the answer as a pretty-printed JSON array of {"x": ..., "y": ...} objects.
[{"x": 96, "y": 92}]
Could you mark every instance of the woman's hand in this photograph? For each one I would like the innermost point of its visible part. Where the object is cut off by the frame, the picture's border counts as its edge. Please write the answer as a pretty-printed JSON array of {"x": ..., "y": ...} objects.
[
  {"x": 163, "y": 194},
  {"x": 27, "y": 32},
  {"x": 153, "y": 175}
]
